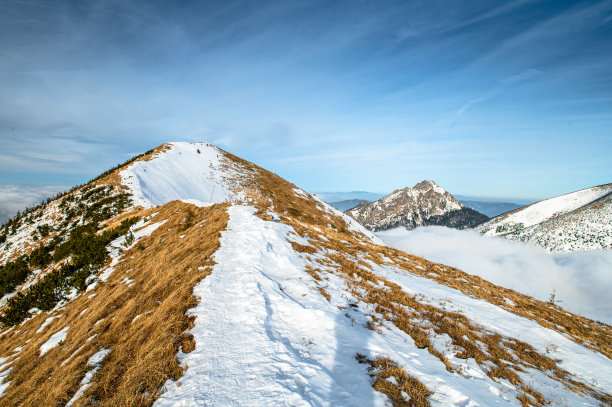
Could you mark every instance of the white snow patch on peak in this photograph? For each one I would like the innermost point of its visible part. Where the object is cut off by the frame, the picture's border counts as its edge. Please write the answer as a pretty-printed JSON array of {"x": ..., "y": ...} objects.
[
  {"x": 53, "y": 341},
  {"x": 432, "y": 185},
  {"x": 184, "y": 171}
]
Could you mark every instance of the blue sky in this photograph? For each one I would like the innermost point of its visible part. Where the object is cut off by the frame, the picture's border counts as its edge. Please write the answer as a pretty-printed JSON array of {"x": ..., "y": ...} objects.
[{"x": 488, "y": 98}]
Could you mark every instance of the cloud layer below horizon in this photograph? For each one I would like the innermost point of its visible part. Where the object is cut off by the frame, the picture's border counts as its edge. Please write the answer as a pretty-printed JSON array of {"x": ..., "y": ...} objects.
[
  {"x": 581, "y": 281},
  {"x": 14, "y": 198}
]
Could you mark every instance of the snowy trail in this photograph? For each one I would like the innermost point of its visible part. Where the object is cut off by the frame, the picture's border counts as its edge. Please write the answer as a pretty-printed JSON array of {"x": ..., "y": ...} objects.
[{"x": 263, "y": 335}]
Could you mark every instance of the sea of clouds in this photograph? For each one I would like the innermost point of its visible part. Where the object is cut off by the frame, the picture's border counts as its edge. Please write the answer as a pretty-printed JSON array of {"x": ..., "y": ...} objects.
[
  {"x": 582, "y": 281},
  {"x": 15, "y": 198}
]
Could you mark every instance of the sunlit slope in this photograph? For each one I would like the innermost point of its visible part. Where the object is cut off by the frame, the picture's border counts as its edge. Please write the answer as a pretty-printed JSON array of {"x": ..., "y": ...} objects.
[
  {"x": 578, "y": 221},
  {"x": 230, "y": 285}
]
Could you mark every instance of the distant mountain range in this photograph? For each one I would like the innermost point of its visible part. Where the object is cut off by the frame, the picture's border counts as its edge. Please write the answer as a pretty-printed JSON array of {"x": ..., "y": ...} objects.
[
  {"x": 491, "y": 206},
  {"x": 577, "y": 221},
  {"x": 347, "y": 204},
  {"x": 424, "y": 204},
  {"x": 346, "y": 196}
]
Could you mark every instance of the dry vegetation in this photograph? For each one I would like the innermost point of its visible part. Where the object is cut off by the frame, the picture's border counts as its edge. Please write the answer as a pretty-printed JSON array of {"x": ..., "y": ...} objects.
[
  {"x": 163, "y": 269},
  {"x": 404, "y": 391}
]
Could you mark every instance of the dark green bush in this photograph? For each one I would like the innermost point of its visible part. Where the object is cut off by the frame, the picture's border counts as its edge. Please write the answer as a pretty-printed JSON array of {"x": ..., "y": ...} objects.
[
  {"x": 88, "y": 251},
  {"x": 44, "y": 230},
  {"x": 40, "y": 257},
  {"x": 12, "y": 274}
]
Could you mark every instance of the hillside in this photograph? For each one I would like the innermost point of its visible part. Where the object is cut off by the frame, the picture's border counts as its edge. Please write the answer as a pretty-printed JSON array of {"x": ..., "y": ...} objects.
[
  {"x": 189, "y": 276},
  {"x": 578, "y": 221},
  {"x": 422, "y": 205}
]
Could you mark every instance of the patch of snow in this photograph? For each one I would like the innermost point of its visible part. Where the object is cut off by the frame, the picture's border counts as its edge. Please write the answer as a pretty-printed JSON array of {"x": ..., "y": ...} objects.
[
  {"x": 3, "y": 375},
  {"x": 95, "y": 362},
  {"x": 180, "y": 173},
  {"x": 301, "y": 192},
  {"x": 44, "y": 324},
  {"x": 197, "y": 203},
  {"x": 53, "y": 341}
]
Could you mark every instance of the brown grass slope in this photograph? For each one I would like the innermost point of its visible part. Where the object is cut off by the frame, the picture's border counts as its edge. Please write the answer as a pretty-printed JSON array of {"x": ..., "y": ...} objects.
[{"x": 164, "y": 269}]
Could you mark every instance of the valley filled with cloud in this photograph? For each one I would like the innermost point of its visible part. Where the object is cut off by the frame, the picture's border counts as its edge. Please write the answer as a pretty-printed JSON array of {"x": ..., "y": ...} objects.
[{"x": 581, "y": 281}]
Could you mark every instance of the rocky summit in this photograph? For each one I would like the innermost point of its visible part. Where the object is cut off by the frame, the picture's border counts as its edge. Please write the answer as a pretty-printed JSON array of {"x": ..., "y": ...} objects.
[{"x": 424, "y": 204}]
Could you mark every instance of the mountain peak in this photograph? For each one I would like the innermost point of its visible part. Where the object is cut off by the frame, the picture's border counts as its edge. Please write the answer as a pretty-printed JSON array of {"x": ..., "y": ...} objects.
[
  {"x": 425, "y": 183},
  {"x": 424, "y": 204}
]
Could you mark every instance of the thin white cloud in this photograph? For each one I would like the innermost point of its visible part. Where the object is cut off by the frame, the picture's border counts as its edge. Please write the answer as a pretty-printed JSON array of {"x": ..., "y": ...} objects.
[
  {"x": 580, "y": 280},
  {"x": 63, "y": 158},
  {"x": 520, "y": 77},
  {"x": 15, "y": 198},
  {"x": 503, "y": 84},
  {"x": 574, "y": 20}
]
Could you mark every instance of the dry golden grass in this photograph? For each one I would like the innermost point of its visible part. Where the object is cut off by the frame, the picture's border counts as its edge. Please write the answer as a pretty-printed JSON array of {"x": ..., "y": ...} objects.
[
  {"x": 383, "y": 368},
  {"x": 164, "y": 270}
]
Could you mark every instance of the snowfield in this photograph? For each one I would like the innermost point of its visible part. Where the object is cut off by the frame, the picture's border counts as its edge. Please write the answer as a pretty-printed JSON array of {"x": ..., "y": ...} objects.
[
  {"x": 579, "y": 221},
  {"x": 544, "y": 210},
  {"x": 185, "y": 171},
  {"x": 53, "y": 341}
]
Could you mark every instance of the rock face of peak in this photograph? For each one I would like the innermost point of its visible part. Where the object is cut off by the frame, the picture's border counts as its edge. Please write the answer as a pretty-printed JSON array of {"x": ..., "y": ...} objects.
[
  {"x": 188, "y": 276},
  {"x": 578, "y": 221},
  {"x": 424, "y": 204}
]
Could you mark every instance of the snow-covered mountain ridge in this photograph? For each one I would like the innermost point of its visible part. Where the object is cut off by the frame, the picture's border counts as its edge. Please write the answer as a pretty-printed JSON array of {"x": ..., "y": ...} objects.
[
  {"x": 227, "y": 285},
  {"x": 577, "y": 221},
  {"x": 424, "y": 204}
]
